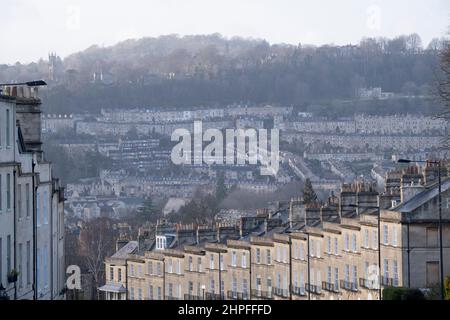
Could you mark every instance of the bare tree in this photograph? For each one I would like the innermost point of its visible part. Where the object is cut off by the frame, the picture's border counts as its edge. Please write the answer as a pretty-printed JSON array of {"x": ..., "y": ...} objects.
[
  {"x": 444, "y": 84},
  {"x": 96, "y": 243}
]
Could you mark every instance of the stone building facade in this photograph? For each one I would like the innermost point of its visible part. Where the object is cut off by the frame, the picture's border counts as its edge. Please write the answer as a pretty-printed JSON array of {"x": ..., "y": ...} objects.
[{"x": 329, "y": 251}]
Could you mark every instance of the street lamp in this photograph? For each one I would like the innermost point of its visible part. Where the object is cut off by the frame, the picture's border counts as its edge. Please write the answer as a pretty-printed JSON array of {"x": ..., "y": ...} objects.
[
  {"x": 36, "y": 83},
  {"x": 441, "y": 254},
  {"x": 379, "y": 241}
]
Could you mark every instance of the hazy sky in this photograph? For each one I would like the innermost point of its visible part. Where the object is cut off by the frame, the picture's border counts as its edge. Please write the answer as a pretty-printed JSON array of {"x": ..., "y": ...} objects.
[{"x": 29, "y": 29}]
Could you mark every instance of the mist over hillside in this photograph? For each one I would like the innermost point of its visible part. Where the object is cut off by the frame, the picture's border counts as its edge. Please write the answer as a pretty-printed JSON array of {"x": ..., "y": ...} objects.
[{"x": 205, "y": 70}]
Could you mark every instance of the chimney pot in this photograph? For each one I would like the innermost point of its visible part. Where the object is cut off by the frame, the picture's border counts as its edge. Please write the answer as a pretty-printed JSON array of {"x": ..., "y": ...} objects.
[
  {"x": 20, "y": 93},
  {"x": 27, "y": 92}
]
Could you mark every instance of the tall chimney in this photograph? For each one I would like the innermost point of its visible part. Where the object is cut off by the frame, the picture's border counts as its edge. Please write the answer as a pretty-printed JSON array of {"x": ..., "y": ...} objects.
[
  {"x": 296, "y": 211},
  {"x": 431, "y": 172},
  {"x": 411, "y": 183},
  {"x": 347, "y": 197},
  {"x": 409, "y": 191},
  {"x": 312, "y": 213},
  {"x": 29, "y": 117},
  {"x": 366, "y": 196}
]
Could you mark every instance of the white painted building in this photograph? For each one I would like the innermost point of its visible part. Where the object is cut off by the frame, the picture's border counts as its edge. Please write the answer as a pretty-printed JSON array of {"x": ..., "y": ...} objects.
[
  {"x": 31, "y": 203},
  {"x": 52, "y": 123}
]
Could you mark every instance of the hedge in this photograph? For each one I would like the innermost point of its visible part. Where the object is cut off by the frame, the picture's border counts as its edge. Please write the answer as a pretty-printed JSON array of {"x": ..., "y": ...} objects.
[{"x": 402, "y": 294}]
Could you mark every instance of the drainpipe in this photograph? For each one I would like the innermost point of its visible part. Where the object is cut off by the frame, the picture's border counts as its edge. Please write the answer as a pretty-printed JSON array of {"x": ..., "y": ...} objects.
[
  {"x": 250, "y": 271},
  {"x": 51, "y": 240},
  {"x": 309, "y": 271},
  {"x": 290, "y": 268},
  {"x": 220, "y": 277},
  {"x": 34, "y": 191},
  {"x": 409, "y": 253},
  {"x": 379, "y": 255},
  {"x": 14, "y": 204},
  {"x": 164, "y": 279},
  {"x": 15, "y": 229},
  {"x": 126, "y": 279},
  {"x": 441, "y": 254}
]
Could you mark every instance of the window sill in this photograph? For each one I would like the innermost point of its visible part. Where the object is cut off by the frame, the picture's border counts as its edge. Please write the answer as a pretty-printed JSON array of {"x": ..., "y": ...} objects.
[
  {"x": 262, "y": 264},
  {"x": 299, "y": 259},
  {"x": 369, "y": 249},
  {"x": 238, "y": 267},
  {"x": 352, "y": 252},
  {"x": 331, "y": 254},
  {"x": 281, "y": 262},
  {"x": 392, "y": 246}
]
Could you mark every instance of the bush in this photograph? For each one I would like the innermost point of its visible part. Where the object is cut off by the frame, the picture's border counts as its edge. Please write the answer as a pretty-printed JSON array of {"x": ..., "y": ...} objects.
[
  {"x": 447, "y": 288},
  {"x": 402, "y": 294}
]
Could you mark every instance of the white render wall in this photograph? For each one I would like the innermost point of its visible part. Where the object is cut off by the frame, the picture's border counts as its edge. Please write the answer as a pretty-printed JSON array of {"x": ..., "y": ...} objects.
[
  {"x": 6, "y": 212},
  {"x": 17, "y": 220}
]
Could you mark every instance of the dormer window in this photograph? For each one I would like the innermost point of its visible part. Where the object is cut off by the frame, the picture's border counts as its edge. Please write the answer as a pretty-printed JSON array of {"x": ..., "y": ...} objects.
[{"x": 161, "y": 242}]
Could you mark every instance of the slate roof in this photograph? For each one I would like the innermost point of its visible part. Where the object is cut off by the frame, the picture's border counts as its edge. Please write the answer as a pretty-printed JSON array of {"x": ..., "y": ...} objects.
[
  {"x": 423, "y": 197},
  {"x": 127, "y": 249},
  {"x": 113, "y": 287}
]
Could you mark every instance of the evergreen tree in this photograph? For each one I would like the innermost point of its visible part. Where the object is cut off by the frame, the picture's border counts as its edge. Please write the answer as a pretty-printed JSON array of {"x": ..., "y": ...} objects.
[
  {"x": 309, "y": 195},
  {"x": 221, "y": 190},
  {"x": 147, "y": 212}
]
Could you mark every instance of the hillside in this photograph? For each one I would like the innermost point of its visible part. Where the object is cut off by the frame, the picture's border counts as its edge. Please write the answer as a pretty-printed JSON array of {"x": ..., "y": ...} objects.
[{"x": 212, "y": 70}]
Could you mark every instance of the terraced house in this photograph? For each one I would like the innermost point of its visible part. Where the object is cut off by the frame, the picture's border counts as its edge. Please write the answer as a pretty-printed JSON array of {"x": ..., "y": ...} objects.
[
  {"x": 351, "y": 247},
  {"x": 31, "y": 203}
]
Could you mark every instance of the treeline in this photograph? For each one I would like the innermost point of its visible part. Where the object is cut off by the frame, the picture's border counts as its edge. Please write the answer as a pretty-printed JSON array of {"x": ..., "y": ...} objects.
[
  {"x": 427, "y": 106},
  {"x": 210, "y": 70}
]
